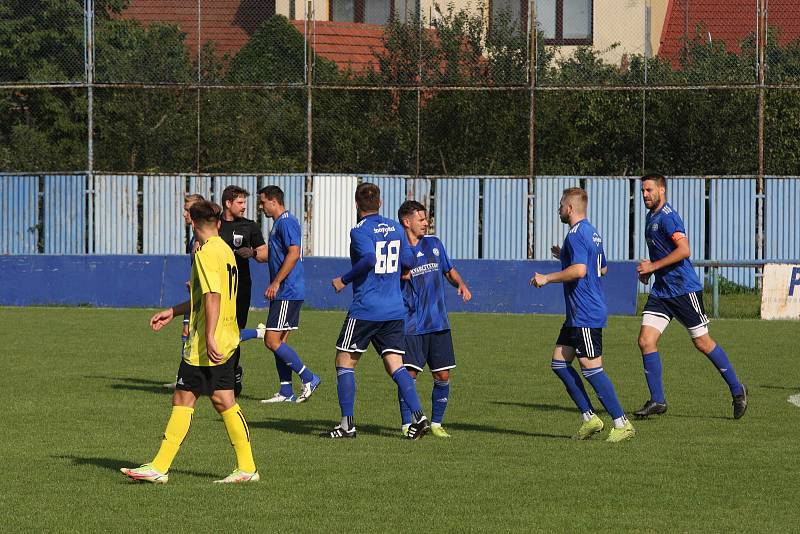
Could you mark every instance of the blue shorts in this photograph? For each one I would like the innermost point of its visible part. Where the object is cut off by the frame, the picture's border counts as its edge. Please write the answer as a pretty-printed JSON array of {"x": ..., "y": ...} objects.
[
  {"x": 386, "y": 336},
  {"x": 587, "y": 342},
  {"x": 688, "y": 309},
  {"x": 434, "y": 349},
  {"x": 284, "y": 315}
]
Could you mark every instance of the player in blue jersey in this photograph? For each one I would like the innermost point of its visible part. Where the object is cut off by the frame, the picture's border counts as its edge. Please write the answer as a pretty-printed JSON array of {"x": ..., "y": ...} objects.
[
  {"x": 379, "y": 253},
  {"x": 676, "y": 292},
  {"x": 286, "y": 293},
  {"x": 583, "y": 262},
  {"x": 428, "y": 339}
]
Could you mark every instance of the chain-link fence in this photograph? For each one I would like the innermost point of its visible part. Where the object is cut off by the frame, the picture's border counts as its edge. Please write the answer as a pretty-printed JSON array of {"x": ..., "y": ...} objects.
[
  {"x": 499, "y": 88},
  {"x": 503, "y": 87}
]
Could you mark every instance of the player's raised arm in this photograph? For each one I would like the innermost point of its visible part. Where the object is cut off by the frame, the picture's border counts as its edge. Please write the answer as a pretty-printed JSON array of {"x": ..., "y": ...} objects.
[{"x": 681, "y": 252}]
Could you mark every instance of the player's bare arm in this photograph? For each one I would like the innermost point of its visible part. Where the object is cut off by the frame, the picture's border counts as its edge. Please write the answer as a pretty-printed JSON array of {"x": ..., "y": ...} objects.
[
  {"x": 681, "y": 252},
  {"x": 292, "y": 257},
  {"x": 457, "y": 282},
  {"x": 211, "y": 303},
  {"x": 337, "y": 283},
  {"x": 163, "y": 318},
  {"x": 571, "y": 273},
  {"x": 261, "y": 254}
]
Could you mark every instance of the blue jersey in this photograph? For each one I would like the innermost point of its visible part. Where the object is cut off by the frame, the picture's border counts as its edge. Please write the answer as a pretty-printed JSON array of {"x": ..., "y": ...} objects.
[
  {"x": 424, "y": 293},
  {"x": 286, "y": 233},
  {"x": 676, "y": 279},
  {"x": 584, "y": 297},
  {"x": 376, "y": 294}
]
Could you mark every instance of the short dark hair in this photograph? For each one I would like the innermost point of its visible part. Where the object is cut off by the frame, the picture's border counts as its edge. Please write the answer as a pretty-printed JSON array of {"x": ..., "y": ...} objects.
[
  {"x": 368, "y": 197},
  {"x": 232, "y": 192},
  {"x": 408, "y": 208},
  {"x": 659, "y": 179},
  {"x": 204, "y": 213},
  {"x": 272, "y": 192}
]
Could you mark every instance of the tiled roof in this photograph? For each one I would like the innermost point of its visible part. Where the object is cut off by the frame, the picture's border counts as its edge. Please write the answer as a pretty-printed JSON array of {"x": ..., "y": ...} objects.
[
  {"x": 228, "y": 25},
  {"x": 724, "y": 20},
  {"x": 348, "y": 44}
]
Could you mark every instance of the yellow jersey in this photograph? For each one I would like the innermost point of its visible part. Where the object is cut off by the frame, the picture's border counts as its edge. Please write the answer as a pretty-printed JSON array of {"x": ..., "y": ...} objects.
[{"x": 213, "y": 271}]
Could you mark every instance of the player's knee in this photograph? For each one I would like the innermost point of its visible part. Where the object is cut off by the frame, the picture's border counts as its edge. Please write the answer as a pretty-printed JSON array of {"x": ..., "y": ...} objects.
[
  {"x": 704, "y": 344},
  {"x": 441, "y": 376},
  {"x": 272, "y": 343},
  {"x": 646, "y": 344}
]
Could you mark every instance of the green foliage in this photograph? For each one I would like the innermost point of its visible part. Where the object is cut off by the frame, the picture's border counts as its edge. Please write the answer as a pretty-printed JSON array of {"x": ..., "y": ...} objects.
[{"x": 697, "y": 131}]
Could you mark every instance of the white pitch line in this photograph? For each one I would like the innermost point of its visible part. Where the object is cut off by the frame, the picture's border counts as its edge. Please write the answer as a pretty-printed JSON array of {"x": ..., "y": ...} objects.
[{"x": 794, "y": 399}]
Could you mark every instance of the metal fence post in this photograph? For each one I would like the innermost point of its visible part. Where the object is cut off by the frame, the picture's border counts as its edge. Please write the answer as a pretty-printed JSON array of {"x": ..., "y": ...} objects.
[{"x": 715, "y": 292}]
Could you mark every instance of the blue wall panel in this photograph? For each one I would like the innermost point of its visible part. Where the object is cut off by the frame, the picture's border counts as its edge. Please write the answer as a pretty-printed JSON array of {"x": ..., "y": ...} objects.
[
  {"x": 19, "y": 214},
  {"x": 150, "y": 281},
  {"x": 116, "y": 222},
  {"x": 456, "y": 213},
  {"x": 393, "y": 193},
  {"x": 782, "y": 219},
  {"x": 548, "y": 228},
  {"x": 688, "y": 197},
  {"x": 609, "y": 207},
  {"x": 64, "y": 214},
  {"x": 505, "y": 218},
  {"x": 732, "y": 233},
  {"x": 164, "y": 230}
]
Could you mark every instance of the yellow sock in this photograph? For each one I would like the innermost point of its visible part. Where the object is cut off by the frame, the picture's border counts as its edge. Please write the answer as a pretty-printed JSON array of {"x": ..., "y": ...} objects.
[
  {"x": 174, "y": 434},
  {"x": 239, "y": 434}
]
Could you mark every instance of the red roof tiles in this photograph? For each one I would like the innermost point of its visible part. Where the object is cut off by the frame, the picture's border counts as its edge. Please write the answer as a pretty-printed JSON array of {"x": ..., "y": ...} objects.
[
  {"x": 228, "y": 24},
  {"x": 724, "y": 20}
]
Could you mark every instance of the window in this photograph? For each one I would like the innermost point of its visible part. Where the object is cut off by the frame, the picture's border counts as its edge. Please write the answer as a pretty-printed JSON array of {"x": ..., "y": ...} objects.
[
  {"x": 373, "y": 11},
  {"x": 563, "y": 22}
]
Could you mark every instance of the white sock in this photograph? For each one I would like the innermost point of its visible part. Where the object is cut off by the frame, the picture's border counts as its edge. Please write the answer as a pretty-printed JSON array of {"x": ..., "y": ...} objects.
[{"x": 587, "y": 415}]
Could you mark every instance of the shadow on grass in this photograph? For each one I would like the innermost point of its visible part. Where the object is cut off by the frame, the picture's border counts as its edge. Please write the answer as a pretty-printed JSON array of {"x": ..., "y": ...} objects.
[
  {"x": 497, "y": 430},
  {"x": 134, "y": 384},
  {"x": 114, "y": 464},
  {"x": 535, "y": 406},
  {"x": 315, "y": 426},
  {"x": 788, "y": 388}
]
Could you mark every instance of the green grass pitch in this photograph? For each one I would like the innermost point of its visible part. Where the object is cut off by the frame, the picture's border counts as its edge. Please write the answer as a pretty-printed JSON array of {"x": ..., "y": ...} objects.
[{"x": 82, "y": 397}]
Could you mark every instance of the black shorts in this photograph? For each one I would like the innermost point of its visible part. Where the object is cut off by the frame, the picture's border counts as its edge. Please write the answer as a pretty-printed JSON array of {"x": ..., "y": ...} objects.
[
  {"x": 242, "y": 303},
  {"x": 688, "y": 309},
  {"x": 587, "y": 342},
  {"x": 284, "y": 315},
  {"x": 434, "y": 349},
  {"x": 206, "y": 379},
  {"x": 386, "y": 336}
]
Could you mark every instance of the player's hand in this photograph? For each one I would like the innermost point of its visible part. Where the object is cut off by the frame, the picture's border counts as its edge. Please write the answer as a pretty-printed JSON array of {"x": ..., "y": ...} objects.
[
  {"x": 406, "y": 276},
  {"x": 645, "y": 267},
  {"x": 211, "y": 348},
  {"x": 188, "y": 285},
  {"x": 337, "y": 283},
  {"x": 195, "y": 246},
  {"x": 272, "y": 291},
  {"x": 244, "y": 252},
  {"x": 539, "y": 280},
  {"x": 555, "y": 250},
  {"x": 464, "y": 293},
  {"x": 161, "y": 319}
]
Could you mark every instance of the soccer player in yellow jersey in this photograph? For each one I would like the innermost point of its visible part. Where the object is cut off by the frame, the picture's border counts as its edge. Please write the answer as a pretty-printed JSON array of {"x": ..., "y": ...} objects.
[{"x": 207, "y": 367}]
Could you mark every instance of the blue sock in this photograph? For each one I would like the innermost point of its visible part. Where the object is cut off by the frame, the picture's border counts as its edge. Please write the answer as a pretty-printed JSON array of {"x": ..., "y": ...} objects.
[
  {"x": 346, "y": 388},
  {"x": 725, "y": 368},
  {"x": 407, "y": 389},
  {"x": 285, "y": 377},
  {"x": 652, "y": 372},
  {"x": 441, "y": 390},
  {"x": 605, "y": 391},
  {"x": 287, "y": 354},
  {"x": 573, "y": 383},
  {"x": 405, "y": 411},
  {"x": 247, "y": 334}
]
